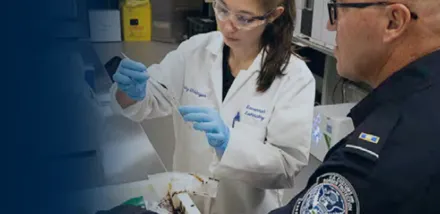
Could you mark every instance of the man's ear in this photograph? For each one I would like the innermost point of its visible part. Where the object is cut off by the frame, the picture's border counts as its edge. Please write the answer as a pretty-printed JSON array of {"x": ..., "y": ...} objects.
[
  {"x": 276, "y": 14},
  {"x": 399, "y": 18}
]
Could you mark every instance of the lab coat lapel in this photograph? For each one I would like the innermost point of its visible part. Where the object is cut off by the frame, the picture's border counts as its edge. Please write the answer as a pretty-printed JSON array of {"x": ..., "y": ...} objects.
[
  {"x": 216, "y": 72},
  {"x": 242, "y": 78}
]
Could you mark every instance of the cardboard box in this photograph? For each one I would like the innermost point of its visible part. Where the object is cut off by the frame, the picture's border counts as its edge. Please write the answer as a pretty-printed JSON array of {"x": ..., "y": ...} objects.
[{"x": 105, "y": 25}]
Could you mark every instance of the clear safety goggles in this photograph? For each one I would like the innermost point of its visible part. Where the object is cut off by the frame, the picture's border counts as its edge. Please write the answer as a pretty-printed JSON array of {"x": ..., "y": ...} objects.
[{"x": 240, "y": 20}]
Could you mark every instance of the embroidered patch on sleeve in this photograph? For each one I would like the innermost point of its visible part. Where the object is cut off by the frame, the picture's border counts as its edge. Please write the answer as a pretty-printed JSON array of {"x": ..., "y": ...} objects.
[{"x": 332, "y": 193}]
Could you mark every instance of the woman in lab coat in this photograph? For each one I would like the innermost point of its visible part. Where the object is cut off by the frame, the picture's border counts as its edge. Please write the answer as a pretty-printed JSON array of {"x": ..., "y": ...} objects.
[{"x": 245, "y": 91}]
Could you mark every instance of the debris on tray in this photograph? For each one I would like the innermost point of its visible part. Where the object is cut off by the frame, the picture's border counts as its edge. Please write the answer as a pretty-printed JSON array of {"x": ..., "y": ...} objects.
[{"x": 198, "y": 178}]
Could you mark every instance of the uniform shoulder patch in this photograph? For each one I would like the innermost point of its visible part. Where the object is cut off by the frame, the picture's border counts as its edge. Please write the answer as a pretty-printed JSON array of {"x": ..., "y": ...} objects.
[{"x": 332, "y": 193}]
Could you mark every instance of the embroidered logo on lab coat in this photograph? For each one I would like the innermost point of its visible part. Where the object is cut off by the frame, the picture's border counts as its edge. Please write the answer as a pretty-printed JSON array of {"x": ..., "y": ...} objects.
[
  {"x": 255, "y": 113},
  {"x": 369, "y": 138},
  {"x": 194, "y": 92},
  {"x": 332, "y": 193}
]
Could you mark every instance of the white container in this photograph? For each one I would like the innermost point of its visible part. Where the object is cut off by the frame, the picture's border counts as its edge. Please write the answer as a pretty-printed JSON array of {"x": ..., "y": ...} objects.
[
  {"x": 105, "y": 25},
  {"x": 330, "y": 125},
  {"x": 318, "y": 19}
]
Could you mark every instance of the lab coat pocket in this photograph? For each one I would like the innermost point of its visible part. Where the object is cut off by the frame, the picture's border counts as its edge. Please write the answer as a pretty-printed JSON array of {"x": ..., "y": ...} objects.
[{"x": 250, "y": 131}]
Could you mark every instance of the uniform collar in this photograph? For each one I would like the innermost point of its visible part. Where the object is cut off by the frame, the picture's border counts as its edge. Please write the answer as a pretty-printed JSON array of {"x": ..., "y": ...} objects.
[{"x": 414, "y": 77}]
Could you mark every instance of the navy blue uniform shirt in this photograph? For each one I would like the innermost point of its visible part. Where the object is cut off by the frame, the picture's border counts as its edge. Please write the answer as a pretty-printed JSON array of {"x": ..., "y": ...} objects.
[{"x": 390, "y": 163}]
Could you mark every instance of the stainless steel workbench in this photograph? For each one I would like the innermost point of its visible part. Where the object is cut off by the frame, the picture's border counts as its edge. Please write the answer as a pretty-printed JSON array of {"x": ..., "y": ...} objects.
[{"x": 126, "y": 153}]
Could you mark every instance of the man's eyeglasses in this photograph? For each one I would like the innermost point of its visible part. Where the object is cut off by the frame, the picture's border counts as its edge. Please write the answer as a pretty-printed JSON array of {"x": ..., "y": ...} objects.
[{"x": 333, "y": 6}]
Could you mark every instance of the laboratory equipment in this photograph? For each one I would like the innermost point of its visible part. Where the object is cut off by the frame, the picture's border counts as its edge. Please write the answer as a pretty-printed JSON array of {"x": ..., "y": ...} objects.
[
  {"x": 330, "y": 125},
  {"x": 314, "y": 18}
]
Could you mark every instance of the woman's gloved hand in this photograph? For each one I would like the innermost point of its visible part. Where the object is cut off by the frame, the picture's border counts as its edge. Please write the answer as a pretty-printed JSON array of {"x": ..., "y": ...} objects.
[
  {"x": 209, "y": 121},
  {"x": 131, "y": 77}
]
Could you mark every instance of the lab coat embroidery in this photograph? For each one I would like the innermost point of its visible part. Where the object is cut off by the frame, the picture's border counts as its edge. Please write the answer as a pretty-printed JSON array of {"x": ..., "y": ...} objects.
[
  {"x": 194, "y": 92},
  {"x": 256, "y": 113}
]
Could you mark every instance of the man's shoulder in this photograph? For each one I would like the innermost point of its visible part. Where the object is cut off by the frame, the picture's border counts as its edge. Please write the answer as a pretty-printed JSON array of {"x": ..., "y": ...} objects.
[
  {"x": 416, "y": 115},
  {"x": 419, "y": 116},
  {"x": 406, "y": 124}
]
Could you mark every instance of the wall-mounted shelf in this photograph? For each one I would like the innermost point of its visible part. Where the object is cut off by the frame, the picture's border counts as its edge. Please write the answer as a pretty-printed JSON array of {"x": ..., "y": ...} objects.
[{"x": 307, "y": 42}]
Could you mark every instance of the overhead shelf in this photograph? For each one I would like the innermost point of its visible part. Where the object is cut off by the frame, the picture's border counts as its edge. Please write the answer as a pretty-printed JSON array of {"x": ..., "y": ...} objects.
[{"x": 305, "y": 41}]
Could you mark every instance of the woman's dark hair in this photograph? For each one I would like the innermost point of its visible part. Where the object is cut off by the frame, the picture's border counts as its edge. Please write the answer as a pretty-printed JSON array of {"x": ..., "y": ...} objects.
[{"x": 277, "y": 41}]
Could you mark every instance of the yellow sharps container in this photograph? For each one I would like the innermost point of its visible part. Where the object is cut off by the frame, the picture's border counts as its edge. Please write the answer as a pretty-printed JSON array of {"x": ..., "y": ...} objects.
[{"x": 136, "y": 20}]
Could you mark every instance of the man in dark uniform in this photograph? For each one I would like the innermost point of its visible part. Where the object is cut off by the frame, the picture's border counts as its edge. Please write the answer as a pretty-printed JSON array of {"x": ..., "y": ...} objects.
[{"x": 390, "y": 163}]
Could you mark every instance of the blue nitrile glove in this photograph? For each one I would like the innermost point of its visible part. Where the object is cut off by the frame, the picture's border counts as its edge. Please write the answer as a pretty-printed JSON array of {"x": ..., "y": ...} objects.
[
  {"x": 209, "y": 121},
  {"x": 131, "y": 78}
]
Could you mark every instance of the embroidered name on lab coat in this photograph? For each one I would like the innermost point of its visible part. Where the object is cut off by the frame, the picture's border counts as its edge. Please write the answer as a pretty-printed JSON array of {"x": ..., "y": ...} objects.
[
  {"x": 255, "y": 113},
  {"x": 194, "y": 91}
]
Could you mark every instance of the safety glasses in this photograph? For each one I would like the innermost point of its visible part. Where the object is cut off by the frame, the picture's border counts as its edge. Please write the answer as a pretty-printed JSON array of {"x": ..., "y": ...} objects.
[
  {"x": 333, "y": 6},
  {"x": 241, "y": 21}
]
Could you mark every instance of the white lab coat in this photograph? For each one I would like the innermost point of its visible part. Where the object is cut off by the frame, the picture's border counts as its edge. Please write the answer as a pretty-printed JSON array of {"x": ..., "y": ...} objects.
[{"x": 267, "y": 147}]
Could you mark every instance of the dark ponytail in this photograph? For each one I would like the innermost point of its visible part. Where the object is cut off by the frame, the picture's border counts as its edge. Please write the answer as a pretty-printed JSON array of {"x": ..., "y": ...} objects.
[{"x": 277, "y": 42}]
